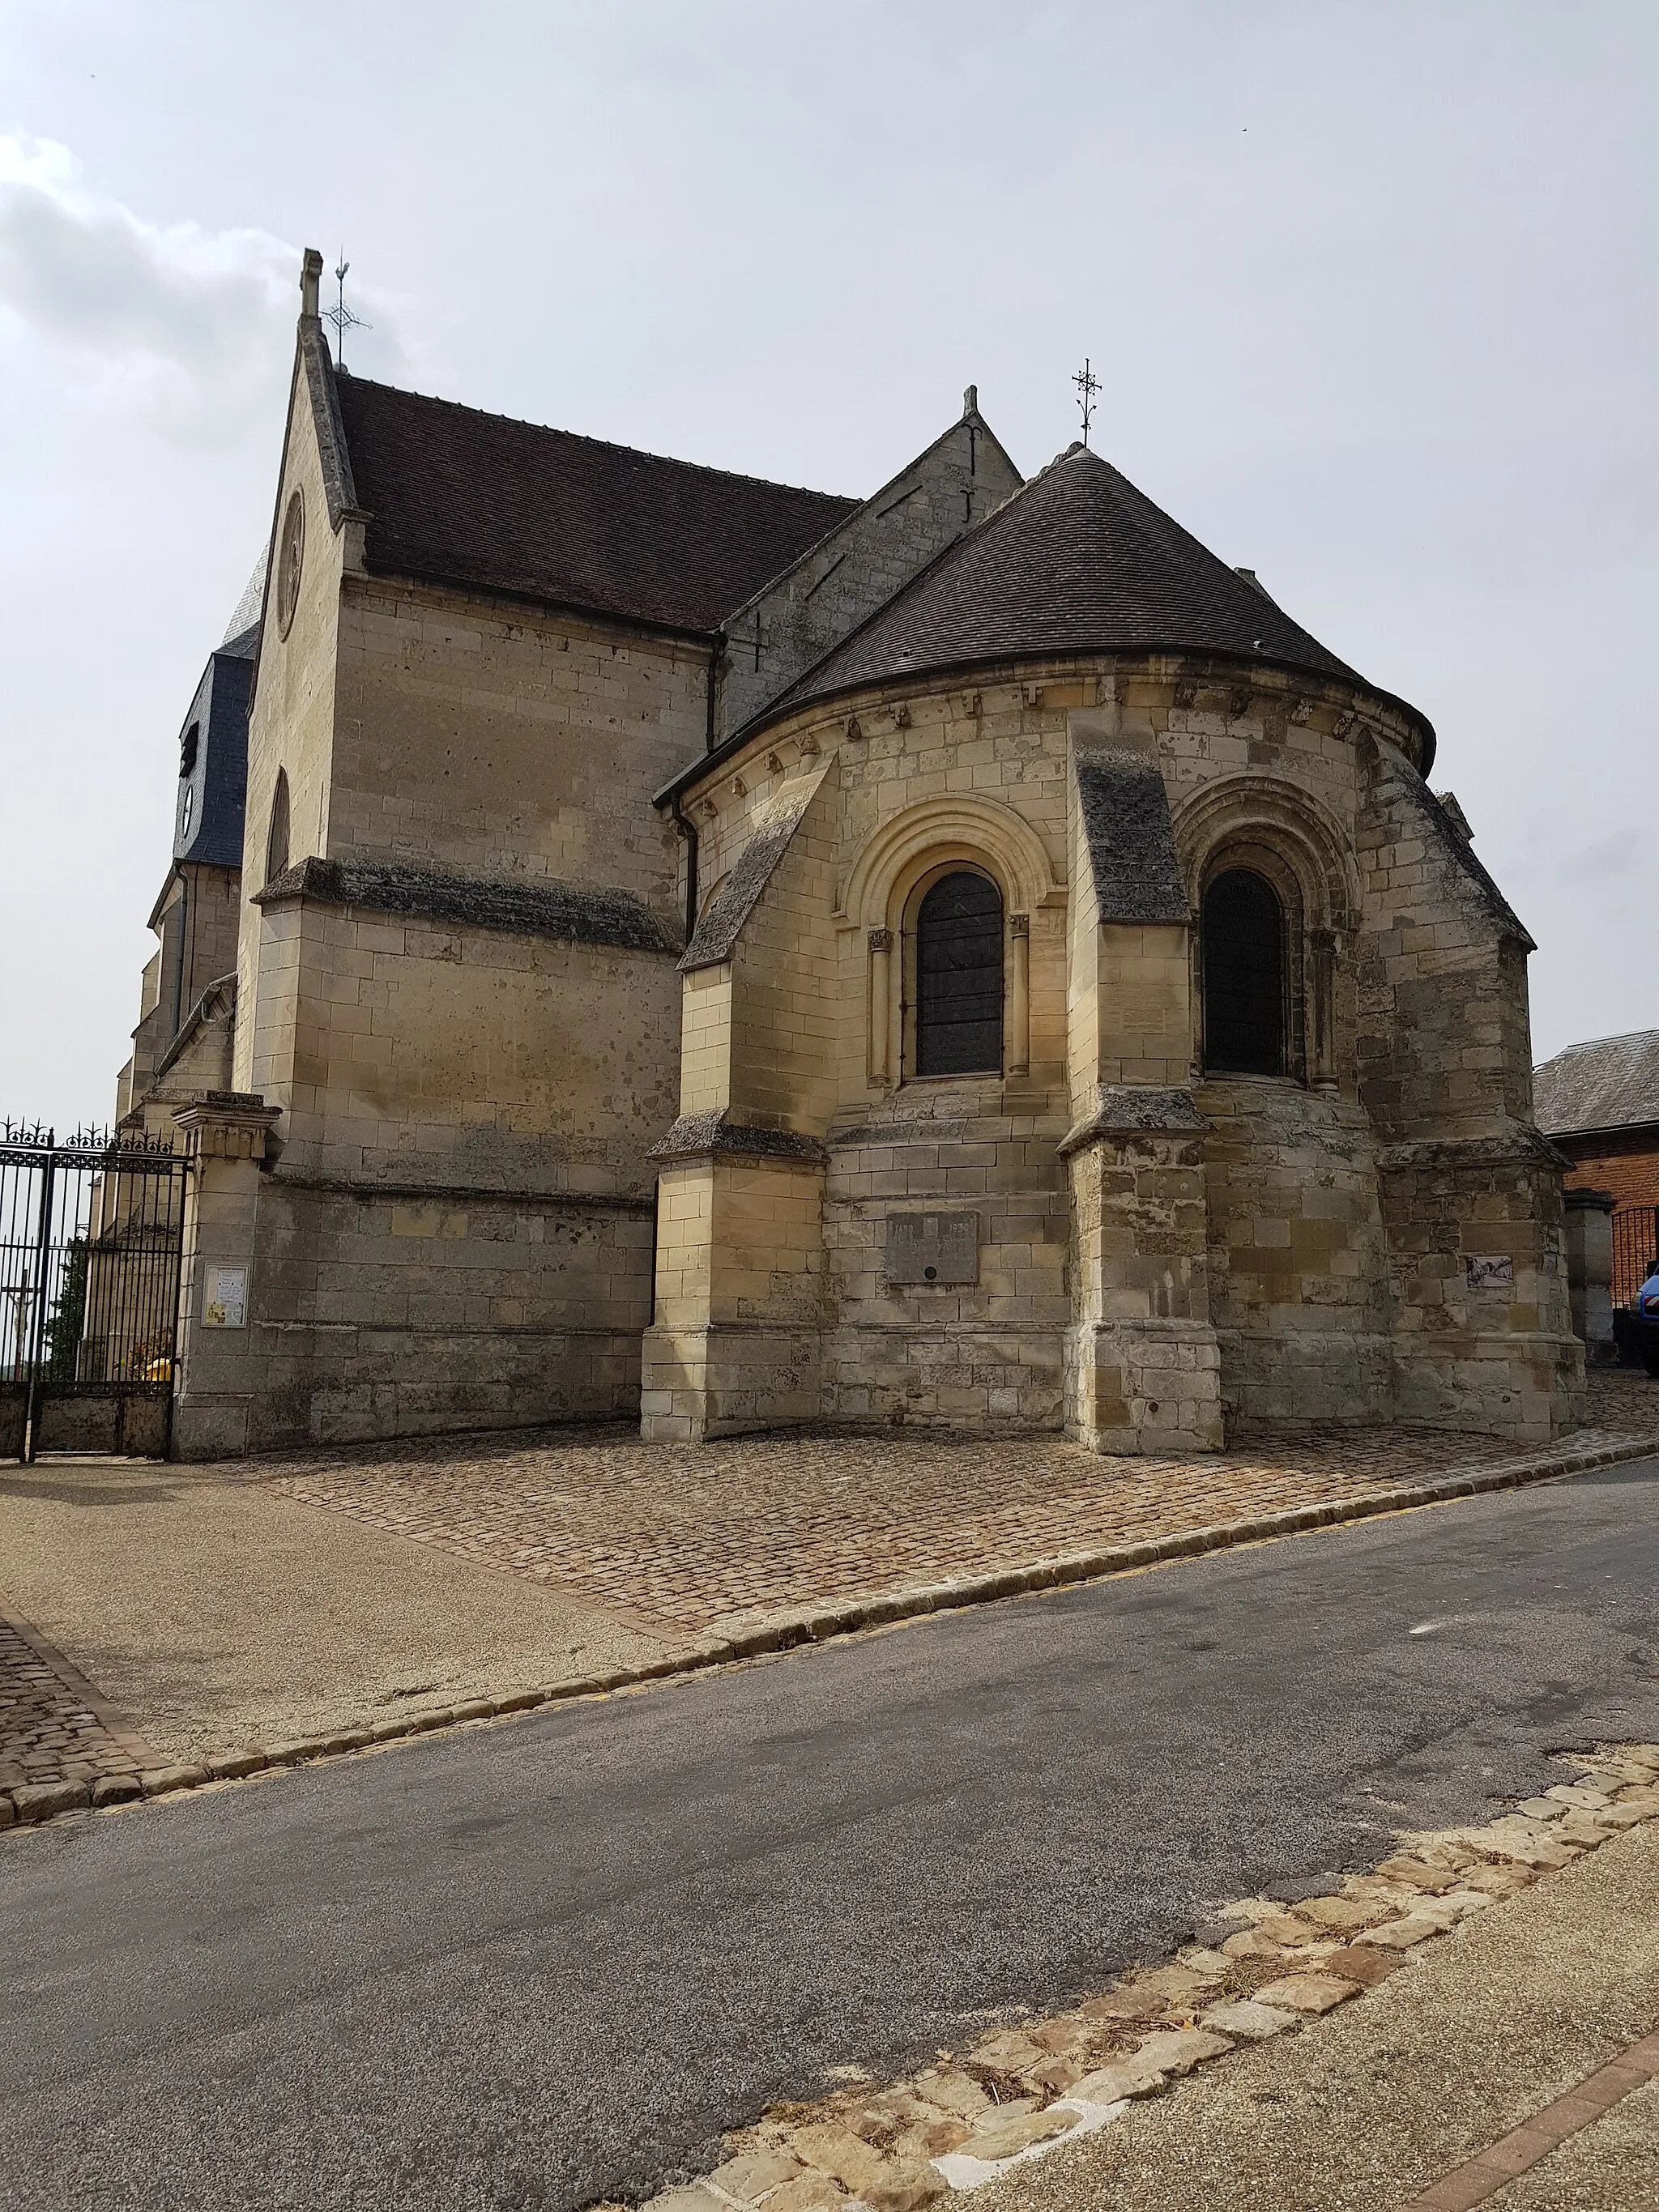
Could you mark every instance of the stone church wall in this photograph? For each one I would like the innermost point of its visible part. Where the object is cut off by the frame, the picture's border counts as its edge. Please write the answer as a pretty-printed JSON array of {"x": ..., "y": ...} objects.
[
  {"x": 500, "y": 740},
  {"x": 454, "y": 1229},
  {"x": 1298, "y": 1258},
  {"x": 452, "y": 1224},
  {"x": 1311, "y": 1231},
  {"x": 291, "y": 721}
]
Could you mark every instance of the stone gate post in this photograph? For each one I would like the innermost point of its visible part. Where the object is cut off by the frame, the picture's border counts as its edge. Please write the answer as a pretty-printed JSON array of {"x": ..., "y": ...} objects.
[
  {"x": 1587, "y": 1220},
  {"x": 225, "y": 1134}
]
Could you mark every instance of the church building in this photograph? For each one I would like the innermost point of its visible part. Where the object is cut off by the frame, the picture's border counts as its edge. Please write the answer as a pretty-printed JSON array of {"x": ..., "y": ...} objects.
[{"x": 739, "y": 958}]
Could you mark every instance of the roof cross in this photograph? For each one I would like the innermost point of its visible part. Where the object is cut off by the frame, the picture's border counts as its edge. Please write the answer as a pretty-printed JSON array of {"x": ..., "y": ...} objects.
[
  {"x": 1087, "y": 385},
  {"x": 341, "y": 316}
]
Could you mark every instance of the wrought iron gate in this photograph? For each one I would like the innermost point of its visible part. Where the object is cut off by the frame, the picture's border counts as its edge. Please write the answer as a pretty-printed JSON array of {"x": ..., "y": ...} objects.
[
  {"x": 91, "y": 1243},
  {"x": 1635, "y": 1251}
]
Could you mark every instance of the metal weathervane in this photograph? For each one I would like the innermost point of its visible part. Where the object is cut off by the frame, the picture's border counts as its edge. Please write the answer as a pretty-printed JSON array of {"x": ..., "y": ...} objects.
[
  {"x": 1087, "y": 385},
  {"x": 342, "y": 317}
]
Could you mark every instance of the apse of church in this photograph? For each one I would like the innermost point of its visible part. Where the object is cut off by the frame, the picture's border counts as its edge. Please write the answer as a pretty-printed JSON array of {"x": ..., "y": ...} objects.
[{"x": 739, "y": 958}]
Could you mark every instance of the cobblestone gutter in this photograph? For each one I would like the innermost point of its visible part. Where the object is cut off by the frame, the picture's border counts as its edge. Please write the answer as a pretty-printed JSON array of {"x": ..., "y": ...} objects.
[
  {"x": 62, "y": 1749},
  {"x": 1020, "y": 2091}
]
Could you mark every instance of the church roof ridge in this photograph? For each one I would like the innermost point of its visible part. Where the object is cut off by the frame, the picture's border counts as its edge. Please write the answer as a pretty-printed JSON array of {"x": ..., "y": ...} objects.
[
  {"x": 454, "y": 494},
  {"x": 587, "y": 438}
]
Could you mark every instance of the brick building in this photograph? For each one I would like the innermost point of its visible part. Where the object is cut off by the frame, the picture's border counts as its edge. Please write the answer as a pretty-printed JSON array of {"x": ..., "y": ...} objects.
[
  {"x": 1599, "y": 1103},
  {"x": 746, "y": 957}
]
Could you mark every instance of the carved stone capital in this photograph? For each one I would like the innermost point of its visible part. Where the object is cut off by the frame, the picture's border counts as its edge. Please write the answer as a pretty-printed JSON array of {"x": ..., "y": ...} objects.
[
  {"x": 227, "y": 1125},
  {"x": 1019, "y": 925},
  {"x": 881, "y": 940}
]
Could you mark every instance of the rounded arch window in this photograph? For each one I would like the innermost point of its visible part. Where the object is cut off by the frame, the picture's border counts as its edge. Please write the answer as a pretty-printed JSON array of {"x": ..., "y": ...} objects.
[
  {"x": 1242, "y": 934},
  {"x": 959, "y": 976},
  {"x": 276, "y": 840}
]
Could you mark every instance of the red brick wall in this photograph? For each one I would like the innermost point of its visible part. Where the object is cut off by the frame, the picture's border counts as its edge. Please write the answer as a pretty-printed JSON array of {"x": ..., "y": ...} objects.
[{"x": 1628, "y": 1166}]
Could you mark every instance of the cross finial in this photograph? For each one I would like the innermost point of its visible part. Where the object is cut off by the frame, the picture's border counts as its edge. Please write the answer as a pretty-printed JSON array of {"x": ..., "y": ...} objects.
[
  {"x": 1087, "y": 385},
  {"x": 341, "y": 316}
]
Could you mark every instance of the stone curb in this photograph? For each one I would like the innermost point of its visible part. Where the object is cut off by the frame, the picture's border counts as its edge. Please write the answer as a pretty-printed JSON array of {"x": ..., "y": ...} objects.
[
  {"x": 1022, "y": 2091},
  {"x": 34, "y": 1803}
]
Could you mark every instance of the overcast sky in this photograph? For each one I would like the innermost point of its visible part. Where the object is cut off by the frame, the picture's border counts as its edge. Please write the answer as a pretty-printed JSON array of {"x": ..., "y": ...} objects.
[{"x": 1369, "y": 288}]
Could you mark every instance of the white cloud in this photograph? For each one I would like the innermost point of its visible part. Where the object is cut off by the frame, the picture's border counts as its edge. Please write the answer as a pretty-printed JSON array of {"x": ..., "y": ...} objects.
[{"x": 175, "y": 318}]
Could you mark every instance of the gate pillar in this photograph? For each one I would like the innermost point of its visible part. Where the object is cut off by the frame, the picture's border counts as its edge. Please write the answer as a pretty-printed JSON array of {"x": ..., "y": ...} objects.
[
  {"x": 1589, "y": 1224},
  {"x": 225, "y": 1134}
]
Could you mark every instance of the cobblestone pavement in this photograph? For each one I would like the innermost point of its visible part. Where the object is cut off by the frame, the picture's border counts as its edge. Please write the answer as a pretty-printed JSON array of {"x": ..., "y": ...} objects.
[
  {"x": 640, "y": 1549},
  {"x": 54, "y": 1727},
  {"x": 676, "y": 1538}
]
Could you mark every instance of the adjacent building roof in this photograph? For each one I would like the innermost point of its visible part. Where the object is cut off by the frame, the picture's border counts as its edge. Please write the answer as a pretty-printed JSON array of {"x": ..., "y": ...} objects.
[
  {"x": 1077, "y": 562},
  {"x": 457, "y": 496},
  {"x": 1611, "y": 1083}
]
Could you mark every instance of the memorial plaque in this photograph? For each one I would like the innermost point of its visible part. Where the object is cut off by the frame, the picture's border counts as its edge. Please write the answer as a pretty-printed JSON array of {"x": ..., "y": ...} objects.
[
  {"x": 928, "y": 1248},
  {"x": 226, "y": 1303},
  {"x": 1489, "y": 1271}
]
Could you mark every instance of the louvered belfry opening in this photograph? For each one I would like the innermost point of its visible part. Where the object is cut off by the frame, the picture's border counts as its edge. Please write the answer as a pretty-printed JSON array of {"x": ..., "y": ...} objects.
[
  {"x": 959, "y": 977},
  {"x": 1243, "y": 946}
]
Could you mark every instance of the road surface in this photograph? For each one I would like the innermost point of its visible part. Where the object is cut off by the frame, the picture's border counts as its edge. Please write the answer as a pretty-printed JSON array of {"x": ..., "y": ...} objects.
[{"x": 545, "y": 1962}]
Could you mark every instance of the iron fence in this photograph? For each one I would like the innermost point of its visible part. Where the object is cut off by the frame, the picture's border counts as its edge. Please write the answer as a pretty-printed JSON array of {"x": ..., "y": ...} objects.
[
  {"x": 91, "y": 1243},
  {"x": 1635, "y": 1251}
]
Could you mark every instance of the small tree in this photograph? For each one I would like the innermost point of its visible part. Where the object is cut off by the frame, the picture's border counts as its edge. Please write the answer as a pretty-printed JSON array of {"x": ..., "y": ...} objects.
[{"x": 68, "y": 1318}]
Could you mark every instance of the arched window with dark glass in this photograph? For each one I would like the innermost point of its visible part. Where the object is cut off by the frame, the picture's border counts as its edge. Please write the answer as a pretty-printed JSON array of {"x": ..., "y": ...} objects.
[
  {"x": 276, "y": 842},
  {"x": 959, "y": 977},
  {"x": 1243, "y": 949}
]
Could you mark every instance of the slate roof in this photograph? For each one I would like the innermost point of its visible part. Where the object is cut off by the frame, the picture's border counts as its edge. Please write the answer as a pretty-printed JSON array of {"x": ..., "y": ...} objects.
[
  {"x": 1611, "y": 1083},
  {"x": 1131, "y": 838},
  {"x": 1077, "y": 562},
  {"x": 457, "y": 496}
]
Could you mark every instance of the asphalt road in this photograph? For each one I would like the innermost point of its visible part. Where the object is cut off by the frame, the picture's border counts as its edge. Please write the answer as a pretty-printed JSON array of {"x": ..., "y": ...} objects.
[{"x": 545, "y": 1962}]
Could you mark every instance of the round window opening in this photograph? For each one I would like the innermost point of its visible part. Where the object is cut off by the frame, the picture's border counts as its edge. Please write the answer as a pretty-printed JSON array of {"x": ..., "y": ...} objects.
[{"x": 289, "y": 562}]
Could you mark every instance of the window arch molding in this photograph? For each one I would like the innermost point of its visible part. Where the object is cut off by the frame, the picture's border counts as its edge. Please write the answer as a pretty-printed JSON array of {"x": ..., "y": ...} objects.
[
  {"x": 1275, "y": 830},
  {"x": 889, "y": 875},
  {"x": 885, "y": 866},
  {"x": 1278, "y": 818}
]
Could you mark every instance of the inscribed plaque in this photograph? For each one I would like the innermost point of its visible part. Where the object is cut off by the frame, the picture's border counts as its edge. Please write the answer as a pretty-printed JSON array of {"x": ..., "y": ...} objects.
[{"x": 932, "y": 1248}]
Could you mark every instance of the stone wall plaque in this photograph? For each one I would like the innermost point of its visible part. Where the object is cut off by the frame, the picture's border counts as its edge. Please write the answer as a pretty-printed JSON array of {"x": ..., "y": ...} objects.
[
  {"x": 928, "y": 1248},
  {"x": 226, "y": 1303},
  {"x": 1489, "y": 1271}
]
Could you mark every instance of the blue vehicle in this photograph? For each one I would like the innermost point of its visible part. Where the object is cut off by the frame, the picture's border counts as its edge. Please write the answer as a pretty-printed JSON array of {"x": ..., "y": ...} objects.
[{"x": 1637, "y": 1329}]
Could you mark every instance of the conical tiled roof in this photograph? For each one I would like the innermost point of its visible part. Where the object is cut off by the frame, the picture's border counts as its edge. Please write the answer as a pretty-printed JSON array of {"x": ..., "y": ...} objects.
[{"x": 1077, "y": 562}]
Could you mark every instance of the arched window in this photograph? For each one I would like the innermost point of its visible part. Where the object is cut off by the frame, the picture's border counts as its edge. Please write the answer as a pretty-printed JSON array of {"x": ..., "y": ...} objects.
[
  {"x": 959, "y": 977},
  {"x": 1243, "y": 949},
  {"x": 276, "y": 842}
]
